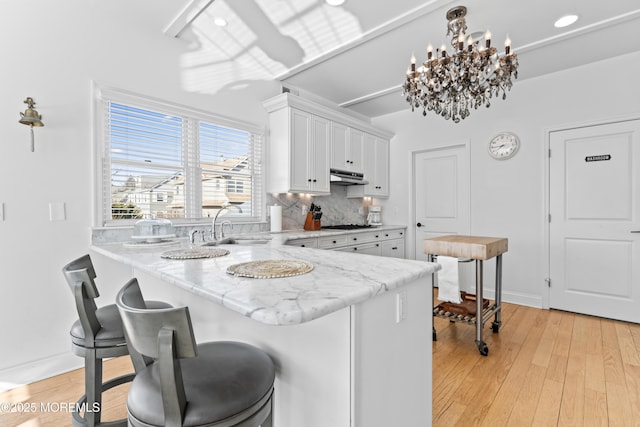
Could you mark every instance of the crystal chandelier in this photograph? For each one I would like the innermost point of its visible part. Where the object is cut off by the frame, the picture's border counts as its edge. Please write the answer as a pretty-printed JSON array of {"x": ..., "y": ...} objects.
[{"x": 450, "y": 85}]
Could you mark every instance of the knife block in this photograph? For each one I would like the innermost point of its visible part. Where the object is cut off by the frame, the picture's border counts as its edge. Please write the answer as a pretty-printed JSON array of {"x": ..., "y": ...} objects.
[{"x": 311, "y": 224}]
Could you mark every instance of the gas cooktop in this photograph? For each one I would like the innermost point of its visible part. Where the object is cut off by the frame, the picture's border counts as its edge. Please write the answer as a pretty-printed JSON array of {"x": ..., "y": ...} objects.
[{"x": 345, "y": 227}]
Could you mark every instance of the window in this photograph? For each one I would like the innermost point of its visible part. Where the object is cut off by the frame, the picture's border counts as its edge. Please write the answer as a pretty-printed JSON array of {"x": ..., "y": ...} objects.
[{"x": 167, "y": 161}]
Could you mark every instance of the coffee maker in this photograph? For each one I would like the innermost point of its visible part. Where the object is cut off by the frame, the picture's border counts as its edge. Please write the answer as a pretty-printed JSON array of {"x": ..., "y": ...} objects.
[{"x": 374, "y": 218}]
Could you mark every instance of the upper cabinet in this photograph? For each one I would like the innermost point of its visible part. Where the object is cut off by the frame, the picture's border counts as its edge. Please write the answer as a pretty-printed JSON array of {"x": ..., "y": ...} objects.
[
  {"x": 346, "y": 148},
  {"x": 299, "y": 152},
  {"x": 307, "y": 139},
  {"x": 376, "y": 169}
]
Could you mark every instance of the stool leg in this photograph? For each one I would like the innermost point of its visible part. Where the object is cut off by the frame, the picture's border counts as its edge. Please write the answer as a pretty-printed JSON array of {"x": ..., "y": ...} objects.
[{"x": 93, "y": 388}]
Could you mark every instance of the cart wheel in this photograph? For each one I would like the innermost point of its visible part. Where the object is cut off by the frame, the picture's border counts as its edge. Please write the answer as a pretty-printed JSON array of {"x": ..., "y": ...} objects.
[
  {"x": 482, "y": 347},
  {"x": 495, "y": 326}
]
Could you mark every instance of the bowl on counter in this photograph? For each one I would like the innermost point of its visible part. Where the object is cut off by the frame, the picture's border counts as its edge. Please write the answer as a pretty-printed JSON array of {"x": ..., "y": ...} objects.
[{"x": 153, "y": 230}]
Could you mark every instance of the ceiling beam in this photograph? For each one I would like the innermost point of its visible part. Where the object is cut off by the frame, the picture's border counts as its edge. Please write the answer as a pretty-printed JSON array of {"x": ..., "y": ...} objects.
[
  {"x": 619, "y": 19},
  {"x": 374, "y": 33},
  {"x": 190, "y": 12}
]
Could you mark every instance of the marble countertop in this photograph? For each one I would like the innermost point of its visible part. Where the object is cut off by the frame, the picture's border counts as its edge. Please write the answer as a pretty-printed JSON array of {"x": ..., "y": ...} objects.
[{"x": 337, "y": 280}]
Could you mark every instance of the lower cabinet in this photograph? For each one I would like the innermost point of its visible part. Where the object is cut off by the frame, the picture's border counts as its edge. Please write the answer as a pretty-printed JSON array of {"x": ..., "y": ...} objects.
[
  {"x": 389, "y": 243},
  {"x": 304, "y": 243},
  {"x": 366, "y": 248},
  {"x": 393, "y": 248}
]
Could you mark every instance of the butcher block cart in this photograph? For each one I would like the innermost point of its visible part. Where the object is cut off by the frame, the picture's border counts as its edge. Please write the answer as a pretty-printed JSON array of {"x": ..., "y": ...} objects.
[{"x": 480, "y": 249}]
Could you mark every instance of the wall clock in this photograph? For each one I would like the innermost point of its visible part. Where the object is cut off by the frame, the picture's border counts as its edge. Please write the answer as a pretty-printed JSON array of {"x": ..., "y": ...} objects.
[{"x": 503, "y": 146}]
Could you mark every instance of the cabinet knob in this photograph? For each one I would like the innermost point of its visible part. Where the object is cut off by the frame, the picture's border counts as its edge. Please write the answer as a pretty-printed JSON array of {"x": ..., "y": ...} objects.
[
  {"x": 334, "y": 242},
  {"x": 395, "y": 248},
  {"x": 386, "y": 235},
  {"x": 355, "y": 249},
  {"x": 309, "y": 180},
  {"x": 355, "y": 238},
  {"x": 315, "y": 180}
]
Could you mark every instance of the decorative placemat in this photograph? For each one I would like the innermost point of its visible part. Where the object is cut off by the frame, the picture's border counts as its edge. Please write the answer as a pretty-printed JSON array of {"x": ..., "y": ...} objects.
[
  {"x": 269, "y": 269},
  {"x": 195, "y": 253}
]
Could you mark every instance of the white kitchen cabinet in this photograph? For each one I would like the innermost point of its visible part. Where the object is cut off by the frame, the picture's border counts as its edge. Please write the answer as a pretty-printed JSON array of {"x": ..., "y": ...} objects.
[
  {"x": 306, "y": 139},
  {"x": 364, "y": 248},
  {"x": 311, "y": 242},
  {"x": 393, "y": 248},
  {"x": 376, "y": 169},
  {"x": 346, "y": 148},
  {"x": 299, "y": 152},
  {"x": 388, "y": 242}
]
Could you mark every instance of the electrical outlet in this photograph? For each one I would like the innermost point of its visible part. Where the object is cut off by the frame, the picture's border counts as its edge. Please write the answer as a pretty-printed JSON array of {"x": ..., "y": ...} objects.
[
  {"x": 361, "y": 210},
  {"x": 305, "y": 209}
]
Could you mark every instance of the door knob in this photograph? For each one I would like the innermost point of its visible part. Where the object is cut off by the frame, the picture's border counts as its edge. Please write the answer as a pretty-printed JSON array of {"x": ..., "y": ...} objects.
[{"x": 419, "y": 224}]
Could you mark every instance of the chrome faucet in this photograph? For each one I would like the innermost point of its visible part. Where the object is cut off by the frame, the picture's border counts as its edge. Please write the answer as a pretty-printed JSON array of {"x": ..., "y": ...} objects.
[{"x": 213, "y": 225}]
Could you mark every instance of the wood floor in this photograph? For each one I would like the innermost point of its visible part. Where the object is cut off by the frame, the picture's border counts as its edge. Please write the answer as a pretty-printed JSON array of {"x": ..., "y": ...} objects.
[{"x": 544, "y": 368}]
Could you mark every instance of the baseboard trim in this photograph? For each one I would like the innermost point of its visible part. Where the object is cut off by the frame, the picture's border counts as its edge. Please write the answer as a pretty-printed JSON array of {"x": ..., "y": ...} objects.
[
  {"x": 516, "y": 298},
  {"x": 40, "y": 369}
]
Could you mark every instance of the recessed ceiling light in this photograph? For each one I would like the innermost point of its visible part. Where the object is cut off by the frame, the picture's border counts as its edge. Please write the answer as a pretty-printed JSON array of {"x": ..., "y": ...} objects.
[
  {"x": 220, "y": 22},
  {"x": 335, "y": 2},
  {"x": 565, "y": 21}
]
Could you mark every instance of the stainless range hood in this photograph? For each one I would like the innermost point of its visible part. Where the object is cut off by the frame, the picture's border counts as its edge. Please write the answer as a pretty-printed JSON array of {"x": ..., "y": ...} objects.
[{"x": 341, "y": 177}]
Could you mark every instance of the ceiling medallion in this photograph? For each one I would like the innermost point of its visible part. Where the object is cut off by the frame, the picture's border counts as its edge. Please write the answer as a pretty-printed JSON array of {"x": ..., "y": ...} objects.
[{"x": 450, "y": 85}]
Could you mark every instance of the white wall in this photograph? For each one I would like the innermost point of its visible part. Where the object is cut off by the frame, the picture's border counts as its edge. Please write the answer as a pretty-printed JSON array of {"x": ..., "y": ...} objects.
[
  {"x": 508, "y": 197},
  {"x": 51, "y": 51}
]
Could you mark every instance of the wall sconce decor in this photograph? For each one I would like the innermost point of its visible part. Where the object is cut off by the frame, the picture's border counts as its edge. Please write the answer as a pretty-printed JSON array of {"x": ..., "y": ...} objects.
[{"x": 31, "y": 118}]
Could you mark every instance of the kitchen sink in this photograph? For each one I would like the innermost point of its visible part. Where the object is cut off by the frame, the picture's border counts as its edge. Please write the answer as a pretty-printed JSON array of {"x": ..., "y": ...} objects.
[{"x": 237, "y": 241}]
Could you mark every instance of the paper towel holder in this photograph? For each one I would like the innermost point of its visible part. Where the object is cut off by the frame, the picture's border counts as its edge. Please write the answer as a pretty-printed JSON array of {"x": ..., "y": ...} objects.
[{"x": 275, "y": 212}]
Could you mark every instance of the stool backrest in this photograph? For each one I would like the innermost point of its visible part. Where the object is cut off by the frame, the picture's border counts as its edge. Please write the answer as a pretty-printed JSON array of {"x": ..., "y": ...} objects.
[
  {"x": 80, "y": 276},
  {"x": 143, "y": 325}
]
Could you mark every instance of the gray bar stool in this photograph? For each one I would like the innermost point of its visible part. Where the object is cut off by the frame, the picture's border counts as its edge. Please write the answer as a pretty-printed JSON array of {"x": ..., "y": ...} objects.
[
  {"x": 222, "y": 383},
  {"x": 97, "y": 334}
]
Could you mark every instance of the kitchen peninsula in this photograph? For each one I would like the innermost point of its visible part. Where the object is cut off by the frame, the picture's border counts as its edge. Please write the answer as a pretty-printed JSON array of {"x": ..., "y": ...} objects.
[{"x": 351, "y": 339}]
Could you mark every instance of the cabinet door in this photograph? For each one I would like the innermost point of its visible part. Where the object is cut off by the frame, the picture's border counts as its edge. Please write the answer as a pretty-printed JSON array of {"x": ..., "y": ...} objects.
[
  {"x": 381, "y": 186},
  {"x": 339, "y": 139},
  {"x": 393, "y": 248},
  {"x": 369, "y": 164},
  {"x": 355, "y": 150},
  {"x": 300, "y": 146},
  {"x": 321, "y": 151}
]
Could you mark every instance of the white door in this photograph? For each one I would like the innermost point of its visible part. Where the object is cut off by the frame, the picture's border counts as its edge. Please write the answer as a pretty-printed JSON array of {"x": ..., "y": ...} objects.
[
  {"x": 441, "y": 193},
  {"x": 594, "y": 231}
]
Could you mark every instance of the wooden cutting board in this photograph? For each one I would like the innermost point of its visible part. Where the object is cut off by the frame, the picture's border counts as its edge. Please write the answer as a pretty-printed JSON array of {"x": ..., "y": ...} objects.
[{"x": 471, "y": 247}]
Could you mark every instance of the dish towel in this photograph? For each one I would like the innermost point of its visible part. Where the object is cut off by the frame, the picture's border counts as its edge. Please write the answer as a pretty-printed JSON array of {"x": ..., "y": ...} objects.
[{"x": 448, "y": 286}]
